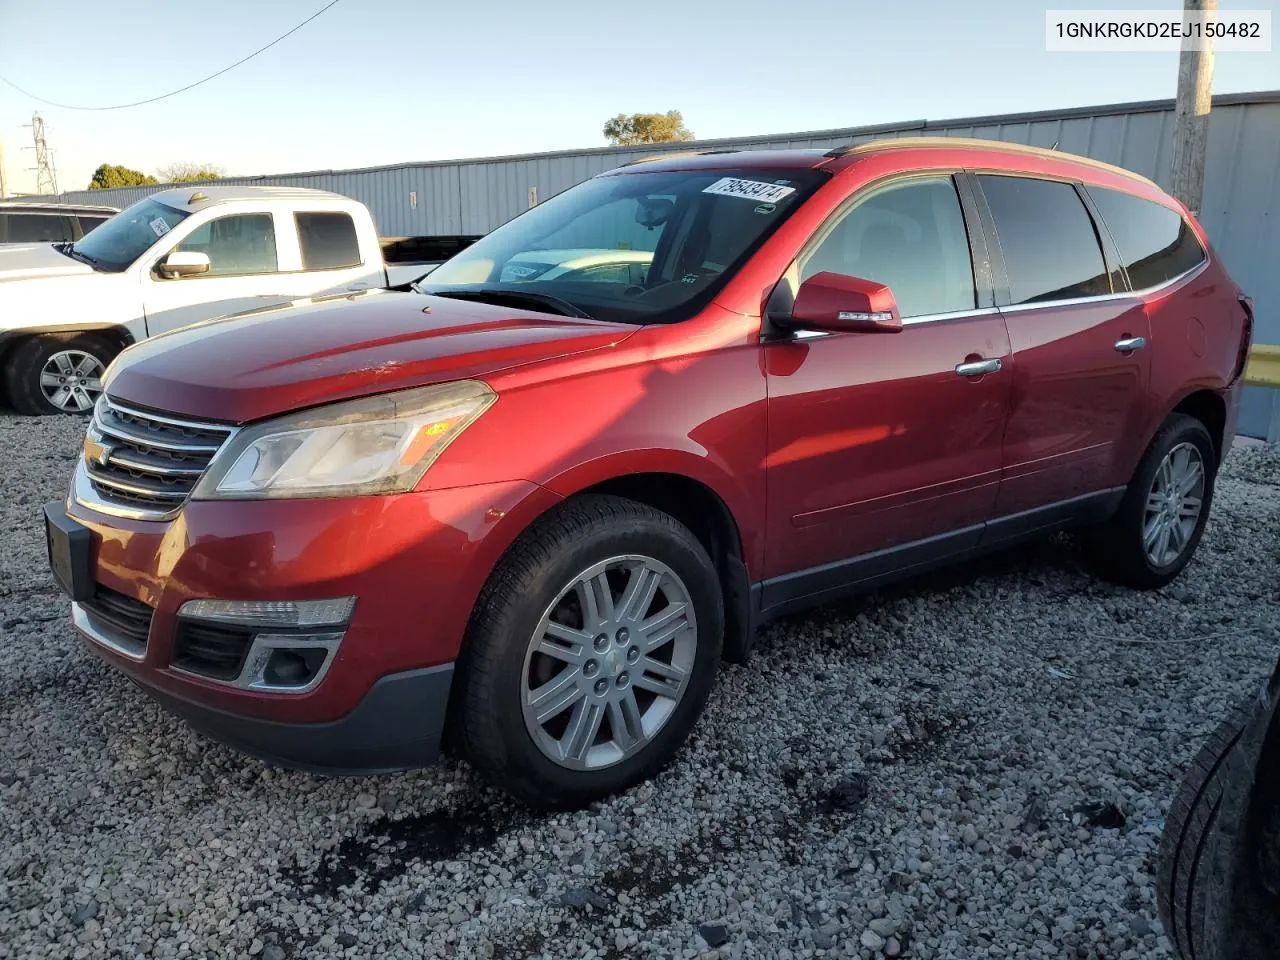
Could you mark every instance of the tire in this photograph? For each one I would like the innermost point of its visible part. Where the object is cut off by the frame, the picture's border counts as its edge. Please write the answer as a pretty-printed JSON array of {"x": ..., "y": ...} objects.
[
  {"x": 1117, "y": 550},
  {"x": 86, "y": 357},
  {"x": 1186, "y": 872},
  {"x": 531, "y": 592}
]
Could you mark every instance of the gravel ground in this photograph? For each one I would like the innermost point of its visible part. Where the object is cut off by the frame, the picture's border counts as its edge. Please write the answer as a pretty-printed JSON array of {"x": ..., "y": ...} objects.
[{"x": 973, "y": 765}]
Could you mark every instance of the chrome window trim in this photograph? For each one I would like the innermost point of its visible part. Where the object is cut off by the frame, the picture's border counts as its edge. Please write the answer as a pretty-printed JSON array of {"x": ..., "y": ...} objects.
[
  {"x": 950, "y": 315},
  {"x": 1103, "y": 297},
  {"x": 80, "y": 619}
]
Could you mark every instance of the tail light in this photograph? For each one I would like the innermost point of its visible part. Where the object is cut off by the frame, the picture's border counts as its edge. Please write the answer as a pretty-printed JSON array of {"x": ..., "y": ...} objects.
[{"x": 1246, "y": 337}]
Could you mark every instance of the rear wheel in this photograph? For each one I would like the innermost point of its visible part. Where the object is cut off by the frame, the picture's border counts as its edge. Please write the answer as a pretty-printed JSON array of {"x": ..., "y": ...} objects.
[
  {"x": 1158, "y": 526},
  {"x": 57, "y": 373},
  {"x": 590, "y": 654}
]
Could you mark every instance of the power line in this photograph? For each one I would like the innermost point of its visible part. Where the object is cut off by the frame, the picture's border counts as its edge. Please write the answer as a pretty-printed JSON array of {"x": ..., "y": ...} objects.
[{"x": 174, "y": 93}]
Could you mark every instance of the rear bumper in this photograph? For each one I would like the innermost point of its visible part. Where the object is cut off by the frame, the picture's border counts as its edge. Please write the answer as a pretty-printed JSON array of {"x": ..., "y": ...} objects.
[{"x": 397, "y": 725}]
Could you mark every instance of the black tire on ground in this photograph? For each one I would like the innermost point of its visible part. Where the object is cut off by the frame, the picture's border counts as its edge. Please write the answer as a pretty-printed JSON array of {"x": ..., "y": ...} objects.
[
  {"x": 1115, "y": 548},
  {"x": 487, "y": 725},
  {"x": 1187, "y": 873},
  {"x": 24, "y": 362}
]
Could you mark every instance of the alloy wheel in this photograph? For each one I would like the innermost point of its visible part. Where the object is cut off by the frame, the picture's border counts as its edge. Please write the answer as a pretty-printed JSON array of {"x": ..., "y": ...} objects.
[
  {"x": 1174, "y": 504},
  {"x": 71, "y": 380},
  {"x": 609, "y": 662}
]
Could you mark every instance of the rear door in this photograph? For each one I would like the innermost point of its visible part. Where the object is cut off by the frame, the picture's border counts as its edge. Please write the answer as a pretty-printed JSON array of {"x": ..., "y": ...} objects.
[
  {"x": 878, "y": 448},
  {"x": 1080, "y": 359}
]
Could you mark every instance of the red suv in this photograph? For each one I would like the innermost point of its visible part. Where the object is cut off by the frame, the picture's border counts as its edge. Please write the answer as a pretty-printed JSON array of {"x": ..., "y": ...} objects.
[{"x": 527, "y": 506}]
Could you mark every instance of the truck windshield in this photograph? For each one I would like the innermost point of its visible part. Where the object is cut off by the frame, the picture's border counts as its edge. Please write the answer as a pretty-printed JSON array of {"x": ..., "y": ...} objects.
[
  {"x": 126, "y": 236},
  {"x": 638, "y": 247}
]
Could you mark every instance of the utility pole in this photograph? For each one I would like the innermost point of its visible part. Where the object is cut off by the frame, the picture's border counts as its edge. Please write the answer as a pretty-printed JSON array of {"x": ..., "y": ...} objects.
[
  {"x": 46, "y": 177},
  {"x": 4, "y": 184},
  {"x": 1191, "y": 114}
]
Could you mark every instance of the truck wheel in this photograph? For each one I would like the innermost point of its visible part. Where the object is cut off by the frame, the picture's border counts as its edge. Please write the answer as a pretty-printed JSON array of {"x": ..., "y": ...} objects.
[
  {"x": 1186, "y": 876},
  {"x": 1154, "y": 533},
  {"x": 590, "y": 653},
  {"x": 57, "y": 373}
]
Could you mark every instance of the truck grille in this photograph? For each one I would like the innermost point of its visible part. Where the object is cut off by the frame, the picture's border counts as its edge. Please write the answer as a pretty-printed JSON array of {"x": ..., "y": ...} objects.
[{"x": 146, "y": 462}]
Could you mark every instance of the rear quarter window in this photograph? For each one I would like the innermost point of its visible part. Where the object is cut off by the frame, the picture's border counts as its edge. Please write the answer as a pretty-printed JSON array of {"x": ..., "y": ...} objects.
[
  {"x": 328, "y": 240},
  {"x": 1156, "y": 244}
]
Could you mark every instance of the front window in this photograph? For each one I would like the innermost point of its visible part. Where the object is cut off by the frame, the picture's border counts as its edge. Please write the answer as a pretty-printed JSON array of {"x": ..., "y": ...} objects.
[
  {"x": 126, "y": 236},
  {"x": 243, "y": 243},
  {"x": 639, "y": 247}
]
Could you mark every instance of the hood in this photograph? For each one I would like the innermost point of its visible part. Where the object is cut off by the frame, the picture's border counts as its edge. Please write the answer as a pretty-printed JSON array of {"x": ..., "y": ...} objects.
[
  {"x": 282, "y": 358},
  {"x": 23, "y": 261}
]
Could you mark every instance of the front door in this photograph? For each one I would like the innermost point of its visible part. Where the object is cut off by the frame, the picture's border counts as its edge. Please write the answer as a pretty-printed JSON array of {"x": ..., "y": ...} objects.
[
  {"x": 244, "y": 273},
  {"x": 1080, "y": 357},
  {"x": 878, "y": 448}
]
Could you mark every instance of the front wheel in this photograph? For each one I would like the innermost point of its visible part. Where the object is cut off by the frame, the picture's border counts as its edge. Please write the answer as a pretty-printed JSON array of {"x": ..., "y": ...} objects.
[
  {"x": 590, "y": 654},
  {"x": 1158, "y": 525},
  {"x": 57, "y": 373}
]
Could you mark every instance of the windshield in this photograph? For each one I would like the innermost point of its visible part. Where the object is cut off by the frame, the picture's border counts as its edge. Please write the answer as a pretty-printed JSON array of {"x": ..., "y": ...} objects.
[
  {"x": 642, "y": 247},
  {"x": 122, "y": 239}
]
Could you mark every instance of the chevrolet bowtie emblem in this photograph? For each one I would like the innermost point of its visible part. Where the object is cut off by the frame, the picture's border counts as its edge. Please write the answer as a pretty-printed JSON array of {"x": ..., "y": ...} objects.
[{"x": 96, "y": 451}]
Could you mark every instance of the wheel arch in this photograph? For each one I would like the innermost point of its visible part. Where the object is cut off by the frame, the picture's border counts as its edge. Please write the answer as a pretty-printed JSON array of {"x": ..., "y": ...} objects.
[
  {"x": 1209, "y": 407},
  {"x": 706, "y": 511},
  {"x": 117, "y": 332}
]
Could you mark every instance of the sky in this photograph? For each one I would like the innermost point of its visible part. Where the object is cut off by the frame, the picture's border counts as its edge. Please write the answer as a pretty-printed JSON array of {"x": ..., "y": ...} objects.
[{"x": 375, "y": 82}]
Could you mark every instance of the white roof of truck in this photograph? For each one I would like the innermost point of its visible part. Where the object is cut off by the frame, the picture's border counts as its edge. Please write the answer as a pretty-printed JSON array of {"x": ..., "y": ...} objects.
[{"x": 199, "y": 197}]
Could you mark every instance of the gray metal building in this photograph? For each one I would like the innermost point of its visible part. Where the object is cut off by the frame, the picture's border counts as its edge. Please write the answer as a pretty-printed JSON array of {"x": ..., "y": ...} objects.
[{"x": 1241, "y": 208}]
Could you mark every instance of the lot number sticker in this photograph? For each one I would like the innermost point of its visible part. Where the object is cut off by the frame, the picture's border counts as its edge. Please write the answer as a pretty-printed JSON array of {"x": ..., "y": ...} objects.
[
  {"x": 159, "y": 227},
  {"x": 750, "y": 190}
]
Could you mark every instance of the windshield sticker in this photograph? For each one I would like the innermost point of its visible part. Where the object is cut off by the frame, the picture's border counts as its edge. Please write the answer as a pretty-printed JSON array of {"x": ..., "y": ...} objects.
[
  {"x": 750, "y": 190},
  {"x": 159, "y": 227},
  {"x": 766, "y": 208}
]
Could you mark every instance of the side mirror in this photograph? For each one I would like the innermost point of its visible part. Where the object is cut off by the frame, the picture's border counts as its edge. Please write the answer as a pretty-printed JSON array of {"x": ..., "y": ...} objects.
[
  {"x": 835, "y": 302},
  {"x": 182, "y": 263}
]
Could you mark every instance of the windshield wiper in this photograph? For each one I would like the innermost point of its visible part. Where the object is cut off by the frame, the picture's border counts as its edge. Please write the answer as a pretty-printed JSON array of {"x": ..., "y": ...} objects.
[
  {"x": 516, "y": 297},
  {"x": 69, "y": 250}
]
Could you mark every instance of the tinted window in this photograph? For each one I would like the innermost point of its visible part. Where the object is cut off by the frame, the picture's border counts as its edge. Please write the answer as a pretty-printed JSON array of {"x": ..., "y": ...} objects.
[
  {"x": 328, "y": 240},
  {"x": 87, "y": 223},
  {"x": 1155, "y": 243},
  {"x": 909, "y": 236},
  {"x": 1050, "y": 249},
  {"x": 38, "y": 228},
  {"x": 245, "y": 243}
]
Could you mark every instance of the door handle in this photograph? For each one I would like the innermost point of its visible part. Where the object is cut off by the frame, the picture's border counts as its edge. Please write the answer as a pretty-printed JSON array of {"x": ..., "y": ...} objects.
[
  {"x": 978, "y": 368},
  {"x": 1130, "y": 344}
]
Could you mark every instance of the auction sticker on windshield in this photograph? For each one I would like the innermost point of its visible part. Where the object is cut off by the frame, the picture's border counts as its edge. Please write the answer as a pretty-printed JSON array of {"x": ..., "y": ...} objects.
[
  {"x": 750, "y": 190},
  {"x": 159, "y": 227}
]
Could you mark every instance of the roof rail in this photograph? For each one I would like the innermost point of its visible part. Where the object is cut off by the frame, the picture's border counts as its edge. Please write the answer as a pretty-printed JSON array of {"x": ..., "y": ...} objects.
[{"x": 679, "y": 153}]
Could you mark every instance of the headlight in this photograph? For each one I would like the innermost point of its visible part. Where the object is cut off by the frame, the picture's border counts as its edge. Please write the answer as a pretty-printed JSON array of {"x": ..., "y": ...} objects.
[{"x": 381, "y": 444}]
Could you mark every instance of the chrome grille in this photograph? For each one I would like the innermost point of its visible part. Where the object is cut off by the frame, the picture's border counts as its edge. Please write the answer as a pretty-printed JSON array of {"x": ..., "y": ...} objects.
[{"x": 147, "y": 463}]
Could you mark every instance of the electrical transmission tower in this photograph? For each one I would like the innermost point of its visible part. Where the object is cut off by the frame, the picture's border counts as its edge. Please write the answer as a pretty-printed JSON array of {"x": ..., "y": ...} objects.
[{"x": 46, "y": 177}]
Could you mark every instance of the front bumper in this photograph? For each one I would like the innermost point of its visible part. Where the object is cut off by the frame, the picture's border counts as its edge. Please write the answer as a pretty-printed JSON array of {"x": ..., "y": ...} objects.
[
  {"x": 414, "y": 562},
  {"x": 398, "y": 725}
]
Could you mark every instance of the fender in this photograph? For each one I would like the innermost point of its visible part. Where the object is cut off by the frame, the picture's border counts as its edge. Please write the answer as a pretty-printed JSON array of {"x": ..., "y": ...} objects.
[
  {"x": 120, "y": 331},
  {"x": 701, "y": 469}
]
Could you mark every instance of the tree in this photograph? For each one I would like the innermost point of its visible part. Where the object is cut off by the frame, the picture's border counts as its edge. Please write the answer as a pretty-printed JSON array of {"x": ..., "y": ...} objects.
[
  {"x": 110, "y": 175},
  {"x": 189, "y": 172},
  {"x": 626, "y": 129}
]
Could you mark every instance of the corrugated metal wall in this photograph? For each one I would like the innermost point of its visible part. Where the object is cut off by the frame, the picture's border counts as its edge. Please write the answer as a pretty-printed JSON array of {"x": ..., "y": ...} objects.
[{"x": 1241, "y": 209}]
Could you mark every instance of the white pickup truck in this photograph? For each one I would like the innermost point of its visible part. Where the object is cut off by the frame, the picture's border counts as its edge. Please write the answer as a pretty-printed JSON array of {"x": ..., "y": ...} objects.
[{"x": 174, "y": 258}]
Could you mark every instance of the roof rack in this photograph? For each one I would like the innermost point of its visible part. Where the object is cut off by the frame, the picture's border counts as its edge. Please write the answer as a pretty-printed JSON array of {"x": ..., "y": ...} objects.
[
  {"x": 902, "y": 143},
  {"x": 679, "y": 153}
]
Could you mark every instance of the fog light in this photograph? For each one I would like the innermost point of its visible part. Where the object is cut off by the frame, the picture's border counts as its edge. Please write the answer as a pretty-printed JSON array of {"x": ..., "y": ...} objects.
[
  {"x": 273, "y": 613},
  {"x": 293, "y": 668}
]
